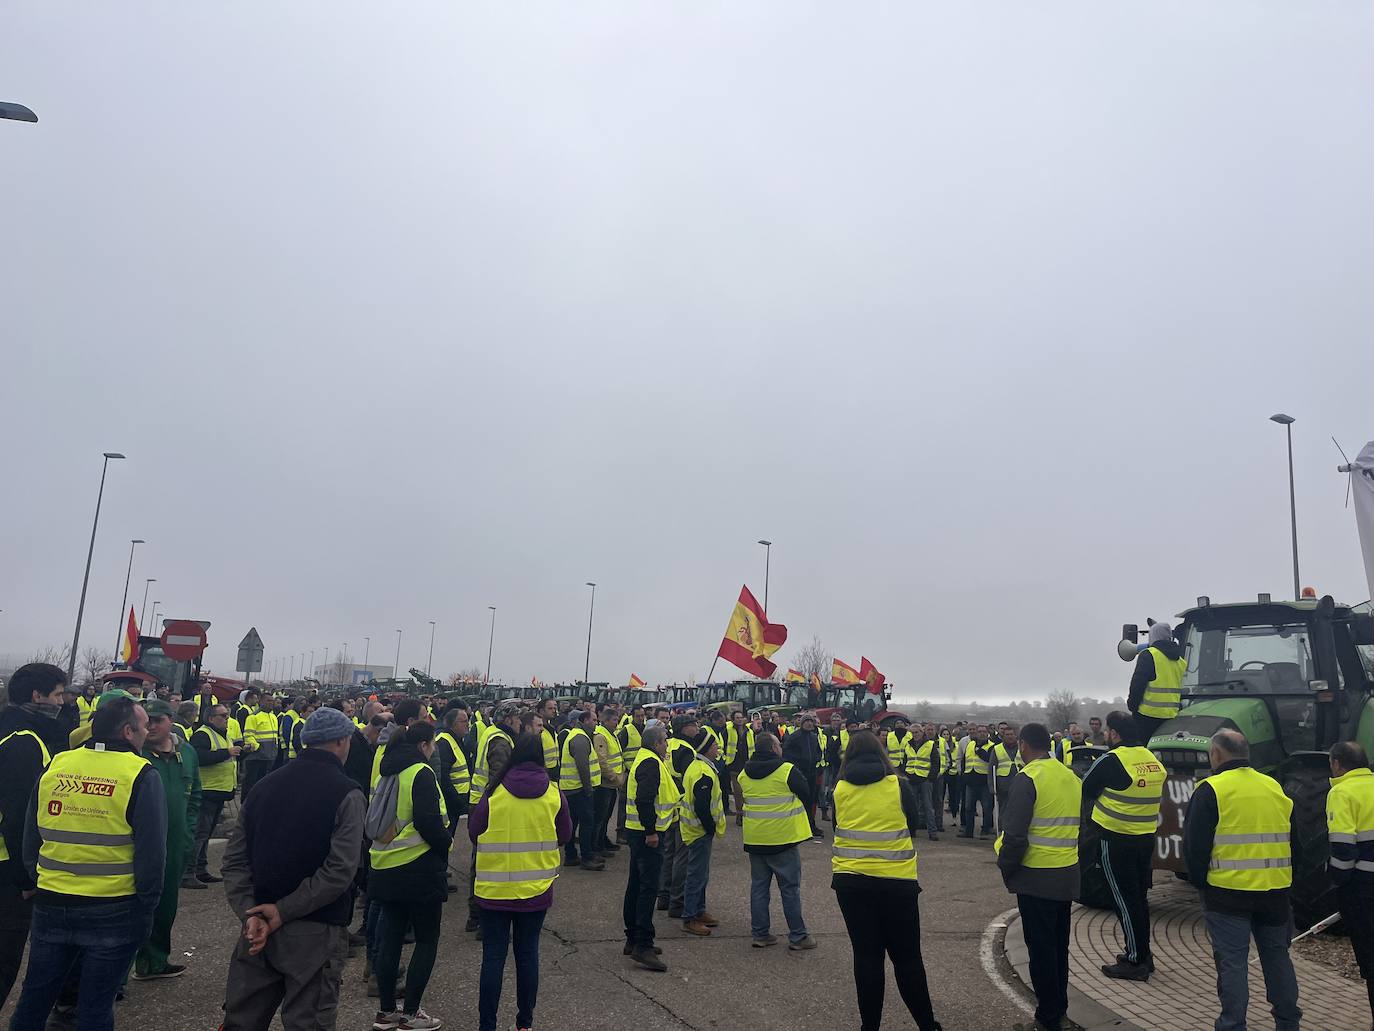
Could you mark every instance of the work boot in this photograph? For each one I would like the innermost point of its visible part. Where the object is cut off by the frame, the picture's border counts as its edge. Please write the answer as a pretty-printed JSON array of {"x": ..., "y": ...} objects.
[
  {"x": 1121, "y": 958},
  {"x": 205, "y": 877},
  {"x": 709, "y": 920},
  {"x": 696, "y": 927},
  {"x": 1127, "y": 971},
  {"x": 593, "y": 864},
  {"x": 648, "y": 959}
]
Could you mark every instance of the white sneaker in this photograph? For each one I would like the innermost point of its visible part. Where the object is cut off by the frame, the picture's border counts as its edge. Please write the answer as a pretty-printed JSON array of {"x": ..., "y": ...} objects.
[
  {"x": 420, "y": 1021},
  {"x": 385, "y": 1021}
]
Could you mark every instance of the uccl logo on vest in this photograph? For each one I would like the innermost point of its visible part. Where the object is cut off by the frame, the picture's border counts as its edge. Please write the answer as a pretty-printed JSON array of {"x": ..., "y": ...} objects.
[
  {"x": 105, "y": 788},
  {"x": 55, "y": 808},
  {"x": 67, "y": 785}
]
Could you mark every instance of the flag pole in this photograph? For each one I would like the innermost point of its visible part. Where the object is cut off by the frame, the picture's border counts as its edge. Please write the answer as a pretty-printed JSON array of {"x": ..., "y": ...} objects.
[{"x": 713, "y": 668}]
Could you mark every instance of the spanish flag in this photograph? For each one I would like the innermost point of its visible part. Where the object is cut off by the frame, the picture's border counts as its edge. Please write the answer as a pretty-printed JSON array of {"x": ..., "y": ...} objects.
[
  {"x": 750, "y": 639},
  {"x": 844, "y": 673},
  {"x": 130, "y": 649},
  {"x": 869, "y": 674},
  {"x": 635, "y": 681},
  {"x": 796, "y": 676},
  {"x": 816, "y": 684}
]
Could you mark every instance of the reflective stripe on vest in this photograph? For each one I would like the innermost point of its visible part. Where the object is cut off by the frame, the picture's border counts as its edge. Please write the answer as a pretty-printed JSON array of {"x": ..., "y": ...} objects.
[
  {"x": 481, "y": 769},
  {"x": 692, "y": 829},
  {"x": 972, "y": 762},
  {"x": 871, "y": 835},
  {"x": 919, "y": 759},
  {"x": 615, "y": 762},
  {"x": 1163, "y": 693},
  {"x": 1350, "y": 824},
  {"x": 47, "y": 758},
  {"x": 569, "y": 779},
  {"x": 632, "y": 739},
  {"x": 550, "y": 748},
  {"x": 1251, "y": 849},
  {"x": 458, "y": 775},
  {"x": 896, "y": 749},
  {"x": 517, "y": 855},
  {"x": 88, "y": 843},
  {"x": 1053, "y": 831},
  {"x": 773, "y": 815},
  {"x": 407, "y": 845},
  {"x": 674, "y": 745},
  {"x": 666, "y": 802},
  {"x": 1135, "y": 810},
  {"x": 219, "y": 776},
  {"x": 1005, "y": 760}
]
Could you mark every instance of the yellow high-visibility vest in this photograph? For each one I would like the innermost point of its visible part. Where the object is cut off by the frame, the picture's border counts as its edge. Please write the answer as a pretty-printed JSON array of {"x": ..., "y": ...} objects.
[
  {"x": 458, "y": 775},
  {"x": 261, "y": 728},
  {"x": 481, "y": 767},
  {"x": 615, "y": 761},
  {"x": 1053, "y": 831},
  {"x": 972, "y": 762},
  {"x": 1349, "y": 822},
  {"x": 1164, "y": 693},
  {"x": 517, "y": 855},
  {"x": 407, "y": 845},
  {"x": 674, "y": 745},
  {"x": 85, "y": 709},
  {"x": 632, "y": 739},
  {"x": 568, "y": 777},
  {"x": 871, "y": 835},
  {"x": 773, "y": 815},
  {"x": 896, "y": 749},
  {"x": 692, "y": 829},
  {"x": 219, "y": 776},
  {"x": 546, "y": 738},
  {"x": 920, "y": 758},
  {"x": 1135, "y": 810},
  {"x": 47, "y": 758},
  {"x": 1252, "y": 849},
  {"x": 88, "y": 842},
  {"x": 376, "y": 774},
  {"x": 665, "y": 803}
]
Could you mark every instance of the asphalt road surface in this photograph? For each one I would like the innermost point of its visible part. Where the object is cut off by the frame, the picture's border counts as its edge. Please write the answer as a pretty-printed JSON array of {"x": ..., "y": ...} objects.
[{"x": 585, "y": 982}]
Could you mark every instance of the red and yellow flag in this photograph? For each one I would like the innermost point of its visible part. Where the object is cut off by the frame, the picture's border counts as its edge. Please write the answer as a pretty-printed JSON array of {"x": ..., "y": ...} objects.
[
  {"x": 816, "y": 683},
  {"x": 635, "y": 681},
  {"x": 796, "y": 676},
  {"x": 869, "y": 674},
  {"x": 750, "y": 639},
  {"x": 130, "y": 650},
  {"x": 844, "y": 673}
]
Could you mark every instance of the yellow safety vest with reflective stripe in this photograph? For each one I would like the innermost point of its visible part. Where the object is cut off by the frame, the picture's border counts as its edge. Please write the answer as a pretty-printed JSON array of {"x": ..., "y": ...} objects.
[
  {"x": 1252, "y": 849},
  {"x": 823, "y": 740},
  {"x": 286, "y": 731},
  {"x": 844, "y": 743},
  {"x": 674, "y": 745},
  {"x": 972, "y": 762},
  {"x": 918, "y": 759},
  {"x": 88, "y": 843},
  {"x": 665, "y": 804},
  {"x": 1053, "y": 831},
  {"x": 569, "y": 779},
  {"x": 219, "y": 776},
  {"x": 871, "y": 835},
  {"x": 458, "y": 775},
  {"x": 236, "y": 735},
  {"x": 1006, "y": 761},
  {"x": 47, "y": 758},
  {"x": 632, "y": 739},
  {"x": 1163, "y": 693},
  {"x": 1349, "y": 822},
  {"x": 377, "y": 763},
  {"x": 85, "y": 709},
  {"x": 406, "y": 845},
  {"x": 732, "y": 741},
  {"x": 1135, "y": 810},
  {"x": 615, "y": 761},
  {"x": 546, "y": 738},
  {"x": 481, "y": 768},
  {"x": 692, "y": 829},
  {"x": 517, "y": 855},
  {"x": 896, "y": 749},
  {"x": 261, "y": 728},
  {"x": 773, "y": 815}
]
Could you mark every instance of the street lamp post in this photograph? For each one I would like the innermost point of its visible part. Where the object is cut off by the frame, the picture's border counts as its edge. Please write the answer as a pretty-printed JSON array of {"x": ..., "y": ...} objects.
[
  {"x": 155, "y": 605},
  {"x": 85, "y": 580},
  {"x": 767, "y": 561},
  {"x": 396, "y": 671},
  {"x": 430, "y": 664},
  {"x": 591, "y": 609},
  {"x": 1286, "y": 421},
  {"x": 143, "y": 611},
  {"x": 119, "y": 630},
  {"x": 367, "y": 650},
  {"x": 490, "y": 641}
]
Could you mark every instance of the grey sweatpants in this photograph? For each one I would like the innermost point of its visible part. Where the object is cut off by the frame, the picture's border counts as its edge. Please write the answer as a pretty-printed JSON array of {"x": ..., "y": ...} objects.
[{"x": 299, "y": 971}]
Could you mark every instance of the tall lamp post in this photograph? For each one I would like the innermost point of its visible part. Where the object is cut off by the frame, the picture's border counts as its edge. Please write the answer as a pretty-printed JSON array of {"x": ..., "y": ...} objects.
[
  {"x": 430, "y": 664},
  {"x": 119, "y": 630},
  {"x": 490, "y": 641},
  {"x": 143, "y": 611},
  {"x": 767, "y": 561},
  {"x": 397, "y": 671},
  {"x": 591, "y": 609},
  {"x": 85, "y": 580},
  {"x": 367, "y": 651},
  {"x": 1286, "y": 421},
  {"x": 154, "y": 623}
]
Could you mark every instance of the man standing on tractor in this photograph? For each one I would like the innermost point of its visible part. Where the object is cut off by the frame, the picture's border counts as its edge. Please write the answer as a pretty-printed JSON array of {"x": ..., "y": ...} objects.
[
  {"x": 1350, "y": 823},
  {"x": 1156, "y": 684},
  {"x": 1128, "y": 783}
]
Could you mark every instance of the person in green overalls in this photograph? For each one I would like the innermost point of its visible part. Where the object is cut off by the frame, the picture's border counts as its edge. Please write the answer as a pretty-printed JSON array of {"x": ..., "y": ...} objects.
[{"x": 175, "y": 762}]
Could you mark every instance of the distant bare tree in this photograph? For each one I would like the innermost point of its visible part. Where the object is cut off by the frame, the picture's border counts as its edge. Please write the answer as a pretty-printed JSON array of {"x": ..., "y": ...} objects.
[
  {"x": 813, "y": 658},
  {"x": 465, "y": 676},
  {"x": 94, "y": 662},
  {"x": 1061, "y": 709},
  {"x": 54, "y": 654},
  {"x": 924, "y": 709}
]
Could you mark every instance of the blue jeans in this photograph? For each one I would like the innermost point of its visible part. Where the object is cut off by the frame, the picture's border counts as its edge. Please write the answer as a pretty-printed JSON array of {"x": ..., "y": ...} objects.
[
  {"x": 698, "y": 874},
  {"x": 1231, "y": 952},
  {"x": 926, "y": 793},
  {"x": 99, "y": 940},
  {"x": 582, "y": 809},
  {"x": 498, "y": 928},
  {"x": 786, "y": 867},
  {"x": 976, "y": 793}
]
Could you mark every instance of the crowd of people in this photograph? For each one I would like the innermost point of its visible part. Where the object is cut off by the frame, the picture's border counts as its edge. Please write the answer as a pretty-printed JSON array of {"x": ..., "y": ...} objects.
[{"x": 107, "y": 807}]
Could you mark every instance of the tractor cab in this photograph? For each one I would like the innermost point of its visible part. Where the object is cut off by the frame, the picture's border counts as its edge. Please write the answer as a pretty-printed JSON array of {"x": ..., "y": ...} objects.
[{"x": 746, "y": 695}]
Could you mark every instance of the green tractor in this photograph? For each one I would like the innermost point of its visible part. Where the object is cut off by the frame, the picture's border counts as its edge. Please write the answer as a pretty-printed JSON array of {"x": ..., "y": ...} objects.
[
  {"x": 1294, "y": 677},
  {"x": 750, "y": 696}
]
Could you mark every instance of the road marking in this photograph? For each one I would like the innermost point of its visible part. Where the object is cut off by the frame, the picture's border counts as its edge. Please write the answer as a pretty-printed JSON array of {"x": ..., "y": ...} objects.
[{"x": 987, "y": 953}]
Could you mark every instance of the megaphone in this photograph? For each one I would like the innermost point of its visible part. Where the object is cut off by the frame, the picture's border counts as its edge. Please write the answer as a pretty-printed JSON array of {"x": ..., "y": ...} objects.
[{"x": 1128, "y": 650}]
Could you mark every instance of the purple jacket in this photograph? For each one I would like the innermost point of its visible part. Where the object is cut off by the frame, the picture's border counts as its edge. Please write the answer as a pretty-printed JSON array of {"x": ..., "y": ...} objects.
[{"x": 527, "y": 780}]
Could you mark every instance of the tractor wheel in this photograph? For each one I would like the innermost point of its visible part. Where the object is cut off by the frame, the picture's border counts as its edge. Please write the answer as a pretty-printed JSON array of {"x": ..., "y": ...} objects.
[
  {"x": 1093, "y": 889},
  {"x": 1313, "y": 896}
]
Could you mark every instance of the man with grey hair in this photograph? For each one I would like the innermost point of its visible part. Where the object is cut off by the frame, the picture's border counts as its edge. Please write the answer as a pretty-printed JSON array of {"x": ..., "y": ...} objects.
[
  {"x": 1237, "y": 847},
  {"x": 186, "y": 715}
]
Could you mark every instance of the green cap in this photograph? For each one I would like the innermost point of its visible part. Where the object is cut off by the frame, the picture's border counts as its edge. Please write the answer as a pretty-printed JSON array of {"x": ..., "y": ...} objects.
[
  {"x": 111, "y": 694},
  {"x": 157, "y": 707}
]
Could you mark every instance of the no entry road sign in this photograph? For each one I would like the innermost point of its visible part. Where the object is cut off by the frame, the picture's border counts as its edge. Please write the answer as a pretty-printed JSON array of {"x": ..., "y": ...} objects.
[{"x": 183, "y": 640}]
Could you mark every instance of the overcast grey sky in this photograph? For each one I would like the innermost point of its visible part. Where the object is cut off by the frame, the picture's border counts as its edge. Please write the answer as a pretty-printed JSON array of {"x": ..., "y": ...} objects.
[{"x": 978, "y": 311}]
